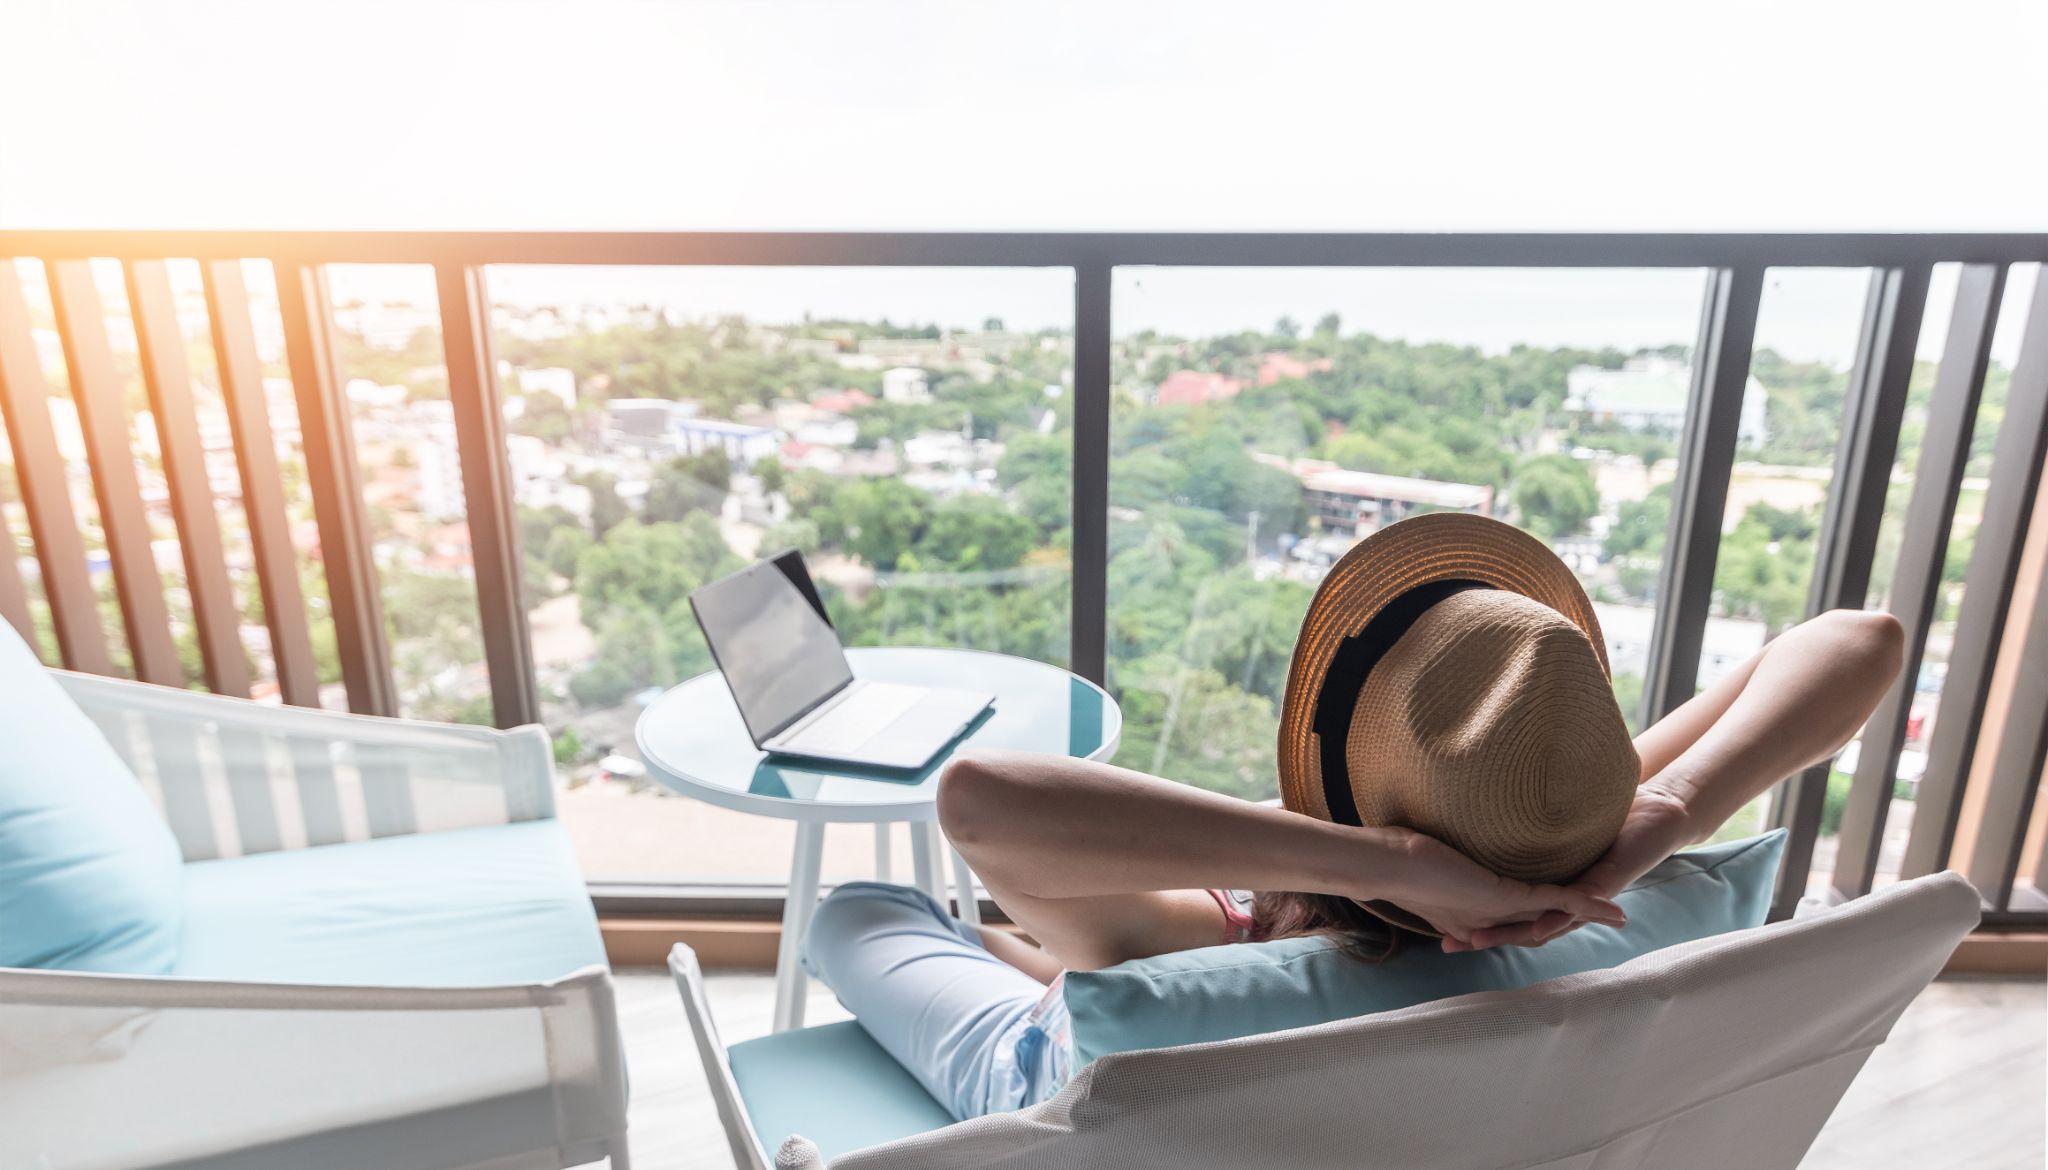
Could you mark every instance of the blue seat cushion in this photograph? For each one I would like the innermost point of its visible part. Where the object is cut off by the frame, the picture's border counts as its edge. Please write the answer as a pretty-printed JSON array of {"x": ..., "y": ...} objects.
[
  {"x": 467, "y": 907},
  {"x": 1221, "y": 993},
  {"x": 89, "y": 873},
  {"x": 832, "y": 1084}
]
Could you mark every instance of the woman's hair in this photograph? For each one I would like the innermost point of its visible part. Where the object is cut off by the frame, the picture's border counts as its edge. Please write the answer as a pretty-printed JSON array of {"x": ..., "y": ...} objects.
[{"x": 1283, "y": 914}]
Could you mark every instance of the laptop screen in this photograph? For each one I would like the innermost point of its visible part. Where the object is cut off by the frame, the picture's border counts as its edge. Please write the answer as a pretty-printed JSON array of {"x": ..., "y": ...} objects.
[{"x": 770, "y": 636}]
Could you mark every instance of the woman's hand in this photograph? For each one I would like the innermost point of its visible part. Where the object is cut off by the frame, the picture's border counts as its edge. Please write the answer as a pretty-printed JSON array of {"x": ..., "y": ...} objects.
[
  {"x": 1463, "y": 900},
  {"x": 1658, "y": 824}
]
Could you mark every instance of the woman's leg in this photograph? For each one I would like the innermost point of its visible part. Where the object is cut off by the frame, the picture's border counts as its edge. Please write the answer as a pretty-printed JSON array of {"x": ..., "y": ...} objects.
[{"x": 923, "y": 985}]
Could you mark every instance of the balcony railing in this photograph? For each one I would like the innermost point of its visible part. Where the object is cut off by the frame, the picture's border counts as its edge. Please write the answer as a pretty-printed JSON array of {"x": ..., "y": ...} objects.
[{"x": 1985, "y": 789}]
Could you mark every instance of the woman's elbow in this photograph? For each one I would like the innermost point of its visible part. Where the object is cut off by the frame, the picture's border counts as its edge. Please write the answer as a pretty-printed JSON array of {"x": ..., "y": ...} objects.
[{"x": 1871, "y": 642}]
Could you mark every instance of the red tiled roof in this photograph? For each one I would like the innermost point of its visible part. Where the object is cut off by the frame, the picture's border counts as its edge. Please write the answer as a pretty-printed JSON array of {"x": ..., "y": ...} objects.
[{"x": 1194, "y": 387}]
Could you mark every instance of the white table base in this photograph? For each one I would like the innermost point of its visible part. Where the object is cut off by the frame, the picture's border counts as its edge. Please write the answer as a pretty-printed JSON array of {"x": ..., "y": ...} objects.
[{"x": 929, "y": 857}]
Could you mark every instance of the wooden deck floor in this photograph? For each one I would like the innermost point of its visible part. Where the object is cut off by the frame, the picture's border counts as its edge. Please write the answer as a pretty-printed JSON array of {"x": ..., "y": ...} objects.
[{"x": 1963, "y": 1082}]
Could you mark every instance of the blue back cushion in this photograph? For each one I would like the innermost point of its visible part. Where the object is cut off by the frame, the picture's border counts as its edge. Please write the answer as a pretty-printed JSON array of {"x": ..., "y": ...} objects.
[
  {"x": 89, "y": 874},
  {"x": 1221, "y": 993}
]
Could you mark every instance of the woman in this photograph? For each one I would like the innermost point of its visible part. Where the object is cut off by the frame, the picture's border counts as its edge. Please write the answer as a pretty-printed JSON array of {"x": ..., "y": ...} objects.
[{"x": 1100, "y": 864}]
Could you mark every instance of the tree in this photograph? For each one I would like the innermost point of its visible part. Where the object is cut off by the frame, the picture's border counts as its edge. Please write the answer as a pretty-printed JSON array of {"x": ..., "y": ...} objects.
[
  {"x": 544, "y": 417},
  {"x": 771, "y": 474},
  {"x": 606, "y": 508},
  {"x": 877, "y": 520},
  {"x": 1640, "y": 525},
  {"x": 650, "y": 567},
  {"x": 688, "y": 484},
  {"x": 564, "y": 549},
  {"x": 975, "y": 533},
  {"x": 631, "y": 656},
  {"x": 1760, "y": 576},
  {"x": 1555, "y": 495}
]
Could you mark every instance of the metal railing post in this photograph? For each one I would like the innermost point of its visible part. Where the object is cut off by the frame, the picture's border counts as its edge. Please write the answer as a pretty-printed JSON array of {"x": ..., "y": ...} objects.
[
  {"x": 1987, "y": 596},
  {"x": 334, "y": 474},
  {"x": 45, "y": 490},
  {"x": 168, "y": 379},
  {"x": 1091, "y": 471},
  {"x": 1685, "y": 585},
  {"x": 110, "y": 449},
  {"x": 1871, "y": 411},
  {"x": 1923, "y": 550},
  {"x": 487, "y": 491},
  {"x": 263, "y": 502}
]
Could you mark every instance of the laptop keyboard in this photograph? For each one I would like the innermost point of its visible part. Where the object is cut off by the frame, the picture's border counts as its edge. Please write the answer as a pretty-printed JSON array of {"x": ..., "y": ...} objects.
[{"x": 857, "y": 718}]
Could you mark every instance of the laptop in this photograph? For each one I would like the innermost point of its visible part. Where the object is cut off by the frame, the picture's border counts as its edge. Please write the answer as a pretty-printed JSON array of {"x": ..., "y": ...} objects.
[{"x": 782, "y": 661}]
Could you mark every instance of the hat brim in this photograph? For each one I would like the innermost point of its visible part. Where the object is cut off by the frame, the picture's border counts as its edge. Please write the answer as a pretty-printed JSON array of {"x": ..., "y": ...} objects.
[{"x": 1437, "y": 546}]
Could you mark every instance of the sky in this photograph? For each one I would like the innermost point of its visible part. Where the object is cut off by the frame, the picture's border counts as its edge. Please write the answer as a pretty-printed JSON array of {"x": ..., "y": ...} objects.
[{"x": 1050, "y": 115}]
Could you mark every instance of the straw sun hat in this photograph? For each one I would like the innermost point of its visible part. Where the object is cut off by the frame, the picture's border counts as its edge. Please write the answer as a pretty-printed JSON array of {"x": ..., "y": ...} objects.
[{"x": 1450, "y": 678}]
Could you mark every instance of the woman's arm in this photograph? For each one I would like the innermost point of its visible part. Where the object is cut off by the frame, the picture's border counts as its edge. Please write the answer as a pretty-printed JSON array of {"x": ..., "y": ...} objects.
[
  {"x": 1102, "y": 864},
  {"x": 1796, "y": 702}
]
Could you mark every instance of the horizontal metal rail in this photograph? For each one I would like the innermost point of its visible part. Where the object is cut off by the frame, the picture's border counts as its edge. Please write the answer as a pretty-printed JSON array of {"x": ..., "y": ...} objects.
[{"x": 1053, "y": 249}]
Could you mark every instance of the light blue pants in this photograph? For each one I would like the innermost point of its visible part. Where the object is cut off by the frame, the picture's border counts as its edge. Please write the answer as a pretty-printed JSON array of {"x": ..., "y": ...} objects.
[{"x": 967, "y": 1025}]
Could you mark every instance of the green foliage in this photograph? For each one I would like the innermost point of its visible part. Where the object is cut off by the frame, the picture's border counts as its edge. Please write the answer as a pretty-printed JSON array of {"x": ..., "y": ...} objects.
[
  {"x": 631, "y": 654},
  {"x": 634, "y": 586},
  {"x": 563, "y": 551},
  {"x": 545, "y": 418},
  {"x": 1763, "y": 575},
  {"x": 568, "y": 747},
  {"x": 1802, "y": 409},
  {"x": 688, "y": 484},
  {"x": 606, "y": 508},
  {"x": 1555, "y": 495},
  {"x": 1640, "y": 526},
  {"x": 975, "y": 532},
  {"x": 649, "y": 567}
]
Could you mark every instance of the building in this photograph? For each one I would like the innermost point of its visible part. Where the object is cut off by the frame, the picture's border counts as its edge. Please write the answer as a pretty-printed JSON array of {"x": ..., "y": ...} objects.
[
  {"x": 663, "y": 428},
  {"x": 1361, "y": 502},
  {"x": 643, "y": 422},
  {"x": 1195, "y": 387},
  {"x": 810, "y": 423},
  {"x": 1280, "y": 367},
  {"x": 842, "y": 401},
  {"x": 906, "y": 384},
  {"x": 1649, "y": 395},
  {"x": 744, "y": 445}
]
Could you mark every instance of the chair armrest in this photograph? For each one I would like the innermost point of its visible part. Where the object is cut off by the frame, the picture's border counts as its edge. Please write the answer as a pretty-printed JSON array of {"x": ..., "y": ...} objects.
[
  {"x": 236, "y": 776},
  {"x": 229, "y": 1072},
  {"x": 725, "y": 1092}
]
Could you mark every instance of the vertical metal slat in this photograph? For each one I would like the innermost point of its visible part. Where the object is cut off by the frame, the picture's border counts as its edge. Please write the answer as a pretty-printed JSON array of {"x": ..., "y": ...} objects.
[
  {"x": 1876, "y": 401},
  {"x": 333, "y": 473},
  {"x": 45, "y": 488},
  {"x": 103, "y": 417},
  {"x": 270, "y": 539},
  {"x": 169, "y": 380},
  {"x": 1685, "y": 586},
  {"x": 1090, "y": 619},
  {"x": 1916, "y": 584},
  {"x": 487, "y": 491},
  {"x": 1987, "y": 593},
  {"x": 2016, "y": 767}
]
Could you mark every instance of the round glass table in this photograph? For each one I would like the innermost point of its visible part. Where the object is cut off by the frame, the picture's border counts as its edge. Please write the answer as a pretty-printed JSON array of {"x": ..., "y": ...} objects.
[{"x": 694, "y": 743}]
